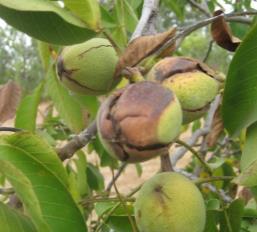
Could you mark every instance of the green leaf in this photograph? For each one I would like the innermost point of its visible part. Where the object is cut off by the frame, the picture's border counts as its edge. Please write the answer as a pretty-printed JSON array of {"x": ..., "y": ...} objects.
[
  {"x": 119, "y": 33},
  {"x": 95, "y": 179},
  {"x": 248, "y": 162},
  {"x": 81, "y": 165},
  {"x": 239, "y": 29},
  {"x": 216, "y": 162},
  {"x": 119, "y": 224},
  {"x": 248, "y": 177},
  {"x": 239, "y": 107},
  {"x": 13, "y": 221},
  {"x": 130, "y": 16},
  {"x": 26, "y": 114},
  {"x": 74, "y": 115},
  {"x": 44, "y": 54},
  {"x": 234, "y": 217},
  {"x": 103, "y": 207},
  {"x": 249, "y": 151},
  {"x": 87, "y": 10},
  {"x": 177, "y": 6},
  {"x": 45, "y": 20},
  {"x": 91, "y": 103},
  {"x": 139, "y": 169},
  {"x": 211, "y": 221},
  {"x": 250, "y": 210},
  {"x": 40, "y": 181},
  {"x": 105, "y": 159},
  {"x": 213, "y": 204}
]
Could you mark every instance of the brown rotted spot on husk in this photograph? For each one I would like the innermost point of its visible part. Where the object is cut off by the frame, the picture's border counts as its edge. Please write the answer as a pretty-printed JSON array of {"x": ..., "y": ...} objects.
[
  {"x": 174, "y": 65},
  {"x": 161, "y": 195},
  {"x": 130, "y": 120}
]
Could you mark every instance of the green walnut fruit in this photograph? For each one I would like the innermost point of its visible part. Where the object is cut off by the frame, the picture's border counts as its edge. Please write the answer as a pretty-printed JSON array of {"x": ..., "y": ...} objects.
[
  {"x": 193, "y": 83},
  {"x": 169, "y": 202},
  {"x": 88, "y": 68},
  {"x": 139, "y": 122}
]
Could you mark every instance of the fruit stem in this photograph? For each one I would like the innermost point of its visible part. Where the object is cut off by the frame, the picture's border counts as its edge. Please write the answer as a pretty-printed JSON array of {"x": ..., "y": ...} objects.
[{"x": 166, "y": 165}]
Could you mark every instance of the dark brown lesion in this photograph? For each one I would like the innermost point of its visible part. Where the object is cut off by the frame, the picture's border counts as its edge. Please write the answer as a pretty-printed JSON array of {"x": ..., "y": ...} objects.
[
  {"x": 161, "y": 195},
  {"x": 113, "y": 132},
  {"x": 175, "y": 65},
  {"x": 120, "y": 141}
]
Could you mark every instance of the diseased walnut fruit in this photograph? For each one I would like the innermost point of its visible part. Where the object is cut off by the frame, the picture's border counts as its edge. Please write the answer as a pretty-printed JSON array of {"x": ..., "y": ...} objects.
[
  {"x": 169, "y": 202},
  {"x": 193, "y": 83},
  {"x": 139, "y": 122},
  {"x": 88, "y": 68}
]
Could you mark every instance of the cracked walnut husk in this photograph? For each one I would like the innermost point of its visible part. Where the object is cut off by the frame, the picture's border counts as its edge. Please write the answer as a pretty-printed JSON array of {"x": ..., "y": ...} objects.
[
  {"x": 139, "y": 122},
  {"x": 193, "y": 82}
]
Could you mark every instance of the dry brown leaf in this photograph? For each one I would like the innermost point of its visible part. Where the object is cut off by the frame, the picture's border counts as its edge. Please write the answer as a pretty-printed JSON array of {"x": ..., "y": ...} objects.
[
  {"x": 142, "y": 47},
  {"x": 245, "y": 194},
  {"x": 10, "y": 95},
  {"x": 222, "y": 35},
  {"x": 216, "y": 129}
]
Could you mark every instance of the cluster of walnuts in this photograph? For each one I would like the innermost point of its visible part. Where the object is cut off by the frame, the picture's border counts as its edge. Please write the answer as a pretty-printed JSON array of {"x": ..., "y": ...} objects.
[{"x": 141, "y": 120}]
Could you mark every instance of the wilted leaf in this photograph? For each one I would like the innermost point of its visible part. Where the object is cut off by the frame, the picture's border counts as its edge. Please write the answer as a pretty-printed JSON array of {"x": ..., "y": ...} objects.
[
  {"x": 216, "y": 129},
  {"x": 142, "y": 47},
  {"x": 10, "y": 95},
  {"x": 222, "y": 35}
]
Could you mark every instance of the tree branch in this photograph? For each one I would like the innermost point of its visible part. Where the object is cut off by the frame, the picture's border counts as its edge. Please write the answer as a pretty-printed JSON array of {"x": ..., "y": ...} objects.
[
  {"x": 179, "y": 153},
  {"x": 11, "y": 129},
  {"x": 195, "y": 153},
  {"x": 78, "y": 142},
  {"x": 188, "y": 30},
  {"x": 149, "y": 12},
  {"x": 212, "y": 188},
  {"x": 116, "y": 176},
  {"x": 208, "y": 51}
]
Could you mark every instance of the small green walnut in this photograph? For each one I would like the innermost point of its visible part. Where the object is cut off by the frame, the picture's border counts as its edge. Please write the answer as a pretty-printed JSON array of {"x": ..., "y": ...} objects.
[
  {"x": 88, "y": 68},
  {"x": 139, "y": 121},
  {"x": 193, "y": 83},
  {"x": 169, "y": 202}
]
